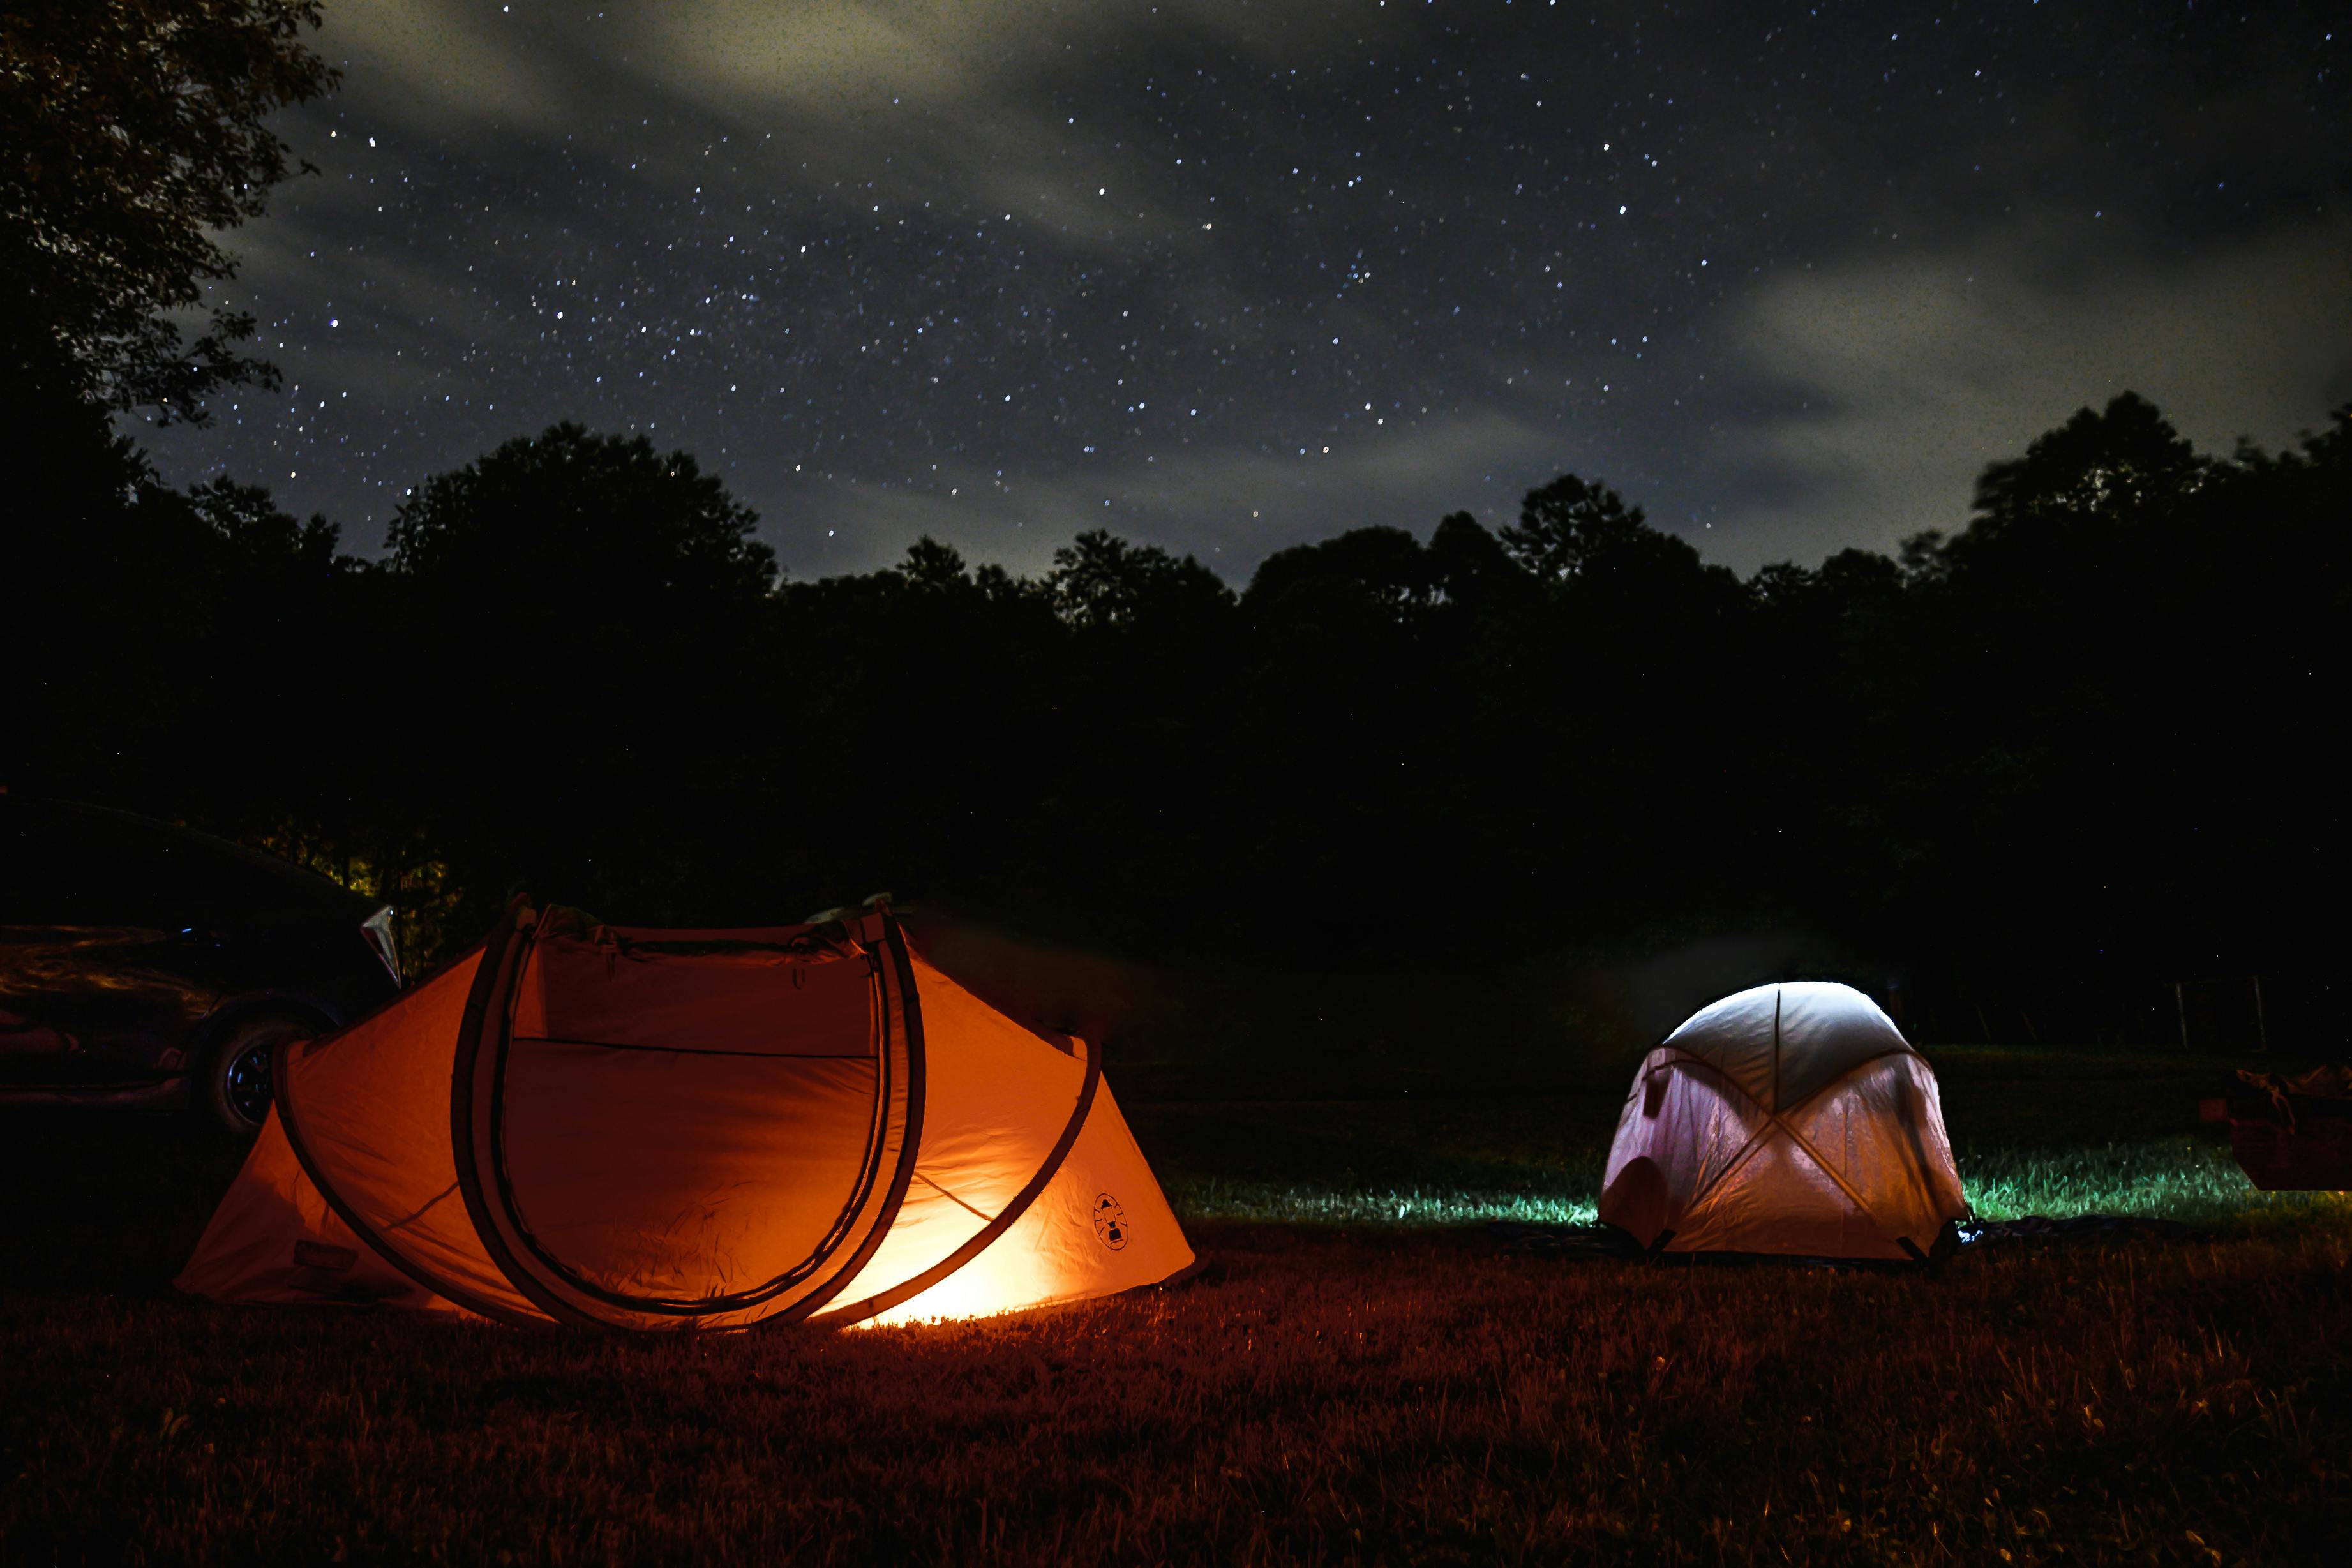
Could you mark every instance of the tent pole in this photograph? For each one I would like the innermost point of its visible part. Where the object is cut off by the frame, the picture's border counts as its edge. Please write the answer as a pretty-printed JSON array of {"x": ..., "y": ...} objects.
[
  {"x": 2262, "y": 1023},
  {"x": 2180, "y": 1006}
]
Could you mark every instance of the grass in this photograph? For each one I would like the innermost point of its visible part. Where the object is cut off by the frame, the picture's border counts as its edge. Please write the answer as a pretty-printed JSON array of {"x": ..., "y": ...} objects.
[
  {"x": 2180, "y": 1178},
  {"x": 1371, "y": 1380},
  {"x": 2036, "y": 1132}
]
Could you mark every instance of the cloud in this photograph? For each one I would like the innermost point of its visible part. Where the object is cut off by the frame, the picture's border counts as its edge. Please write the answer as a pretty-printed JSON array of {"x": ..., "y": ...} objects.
[
  {"x": 834, "y": 57},
  {"x": 1899, "y": 382},
  {"x": 845, "y": 56},
  {"x": 989, "y": 105},
  {"x": 1230, "y": 508},
  {"x": 438, "y": 59}
]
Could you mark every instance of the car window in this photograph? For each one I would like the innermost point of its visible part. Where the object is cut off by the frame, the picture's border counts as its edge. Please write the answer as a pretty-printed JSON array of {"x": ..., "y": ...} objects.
[
  {"x": 33, "y": 879},
  {"x": 61, "y": 866}
]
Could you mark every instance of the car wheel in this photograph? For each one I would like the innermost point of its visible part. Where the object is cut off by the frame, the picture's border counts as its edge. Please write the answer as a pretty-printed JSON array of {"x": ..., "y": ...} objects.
[{"x": 234, "y": 1087}]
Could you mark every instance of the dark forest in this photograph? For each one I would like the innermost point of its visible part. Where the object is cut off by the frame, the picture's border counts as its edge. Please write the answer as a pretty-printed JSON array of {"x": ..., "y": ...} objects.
[
  {"x": 2033, "y": 774},
  {"x": 2044, "y": 768}
]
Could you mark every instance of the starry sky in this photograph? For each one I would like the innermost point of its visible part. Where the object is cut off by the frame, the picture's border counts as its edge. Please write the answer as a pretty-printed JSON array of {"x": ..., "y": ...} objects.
[{"x": 1229, "y": 275}]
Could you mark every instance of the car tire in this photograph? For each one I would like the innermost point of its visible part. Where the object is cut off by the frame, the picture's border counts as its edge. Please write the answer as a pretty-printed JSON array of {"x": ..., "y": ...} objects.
[{"x": 233, "y": 1086}]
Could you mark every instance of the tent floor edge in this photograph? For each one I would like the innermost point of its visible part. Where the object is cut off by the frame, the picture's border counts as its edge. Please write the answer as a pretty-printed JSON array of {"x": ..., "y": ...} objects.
[{"x": 1199, "y": 1273}]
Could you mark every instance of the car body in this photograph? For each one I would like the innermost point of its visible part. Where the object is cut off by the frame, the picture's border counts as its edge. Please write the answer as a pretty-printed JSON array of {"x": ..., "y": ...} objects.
[{"x": 147, "y": 965}]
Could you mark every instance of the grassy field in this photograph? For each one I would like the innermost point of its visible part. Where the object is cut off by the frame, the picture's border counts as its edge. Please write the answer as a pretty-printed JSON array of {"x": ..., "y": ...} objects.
[
  {"x": 2036, "y": 1131},
  {"x": 1372, "y": 1379}
]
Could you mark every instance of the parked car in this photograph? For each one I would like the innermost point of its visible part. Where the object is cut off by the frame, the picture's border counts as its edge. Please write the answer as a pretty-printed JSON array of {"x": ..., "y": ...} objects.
[{"x": 146, "y": 965}]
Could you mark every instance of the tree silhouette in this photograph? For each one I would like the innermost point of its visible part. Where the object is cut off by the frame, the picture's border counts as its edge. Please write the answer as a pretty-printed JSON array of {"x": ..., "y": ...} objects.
[
  {"x": 1101, "y": 582},
  {"x": 2108, "y": 465},
  {"x": 1573, "y": 527},
  {"x": 598, "y": 525},
  {"x": 2045, "y": 764},
  {"x": 131, "y": 134},
  {"x": 582, "y": 616}
]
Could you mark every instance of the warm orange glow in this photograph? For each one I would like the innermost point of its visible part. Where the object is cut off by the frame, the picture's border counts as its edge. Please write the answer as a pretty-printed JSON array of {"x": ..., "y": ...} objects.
[
  {"x": 1004, "y": 1278},
  {"x": 685, "y": 1113}
]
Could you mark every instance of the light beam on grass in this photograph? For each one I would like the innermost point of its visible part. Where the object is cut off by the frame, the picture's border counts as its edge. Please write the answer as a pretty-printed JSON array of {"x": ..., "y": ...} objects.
[
  {"x": 2170, "y": 1178},
  {"x": 2167, "y": 1178},
  {"x": 1293, "y": 1203}
]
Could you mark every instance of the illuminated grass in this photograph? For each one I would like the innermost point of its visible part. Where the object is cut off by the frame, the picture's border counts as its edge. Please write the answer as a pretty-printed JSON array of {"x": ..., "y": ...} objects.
[
  {"x": 1401, "y": 1208},
  {"x": 2177, "y": 1178},
  {"x": 2163, "y": 1179},
  {"x": 2052, "y": 1132}
]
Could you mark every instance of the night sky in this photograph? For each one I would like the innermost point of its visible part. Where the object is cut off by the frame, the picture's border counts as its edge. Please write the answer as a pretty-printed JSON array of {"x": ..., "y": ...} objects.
[{"x": 1228, "y": 275}]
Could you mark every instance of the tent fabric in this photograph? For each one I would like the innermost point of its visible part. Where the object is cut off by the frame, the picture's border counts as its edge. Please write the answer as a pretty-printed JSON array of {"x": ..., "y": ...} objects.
[
  {"x": 1790, "y": 1119},
  {"x": 640, "y": 1129}
]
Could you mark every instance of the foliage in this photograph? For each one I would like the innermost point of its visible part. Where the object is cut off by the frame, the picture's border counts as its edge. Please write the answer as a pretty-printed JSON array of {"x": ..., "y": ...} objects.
[
  {"x": 583, "y": 528},
  {"x": 575, "y": 619},
  {"x": 1100, "y": 582},
  {"x": 1572, "y": 529},
  {"x": 131, "y": 134},
  {"x": 2032, "y": 773}
]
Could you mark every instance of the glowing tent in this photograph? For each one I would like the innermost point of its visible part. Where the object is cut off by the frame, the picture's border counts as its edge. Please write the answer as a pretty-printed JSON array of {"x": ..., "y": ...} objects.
[
  {"x": 1791, "y": 1119},
  {"x": 644, "y": 1129}
]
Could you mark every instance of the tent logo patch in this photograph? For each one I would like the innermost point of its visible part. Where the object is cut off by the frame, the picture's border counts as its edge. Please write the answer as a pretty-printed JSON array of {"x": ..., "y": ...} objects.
[{"x": 1110, "y": 1221}]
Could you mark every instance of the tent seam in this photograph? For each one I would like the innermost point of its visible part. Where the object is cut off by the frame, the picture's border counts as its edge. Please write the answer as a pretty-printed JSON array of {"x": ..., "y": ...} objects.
[
  {"x": 288, "y": 1121},
  {"x": 907, "y": 1289},
  {"x": 951, "y": 1198}
]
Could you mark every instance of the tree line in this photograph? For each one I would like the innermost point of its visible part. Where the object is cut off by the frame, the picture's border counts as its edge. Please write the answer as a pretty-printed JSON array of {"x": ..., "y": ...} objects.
[
  {"x": 2079, "y": 749},
  {"x": 2084, "y": 741}
]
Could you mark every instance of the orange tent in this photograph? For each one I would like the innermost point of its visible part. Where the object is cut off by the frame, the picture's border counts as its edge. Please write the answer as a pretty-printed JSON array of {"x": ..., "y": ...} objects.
[{"x": 612, "y": 1127}]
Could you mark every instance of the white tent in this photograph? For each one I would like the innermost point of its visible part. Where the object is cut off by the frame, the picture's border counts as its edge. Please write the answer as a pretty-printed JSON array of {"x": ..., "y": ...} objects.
[{"x": 1791, "y": 1118}]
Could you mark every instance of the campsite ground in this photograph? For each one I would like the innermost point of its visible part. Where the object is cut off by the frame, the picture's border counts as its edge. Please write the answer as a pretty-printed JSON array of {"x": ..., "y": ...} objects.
[{"x": 1373, "y": 1378}]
